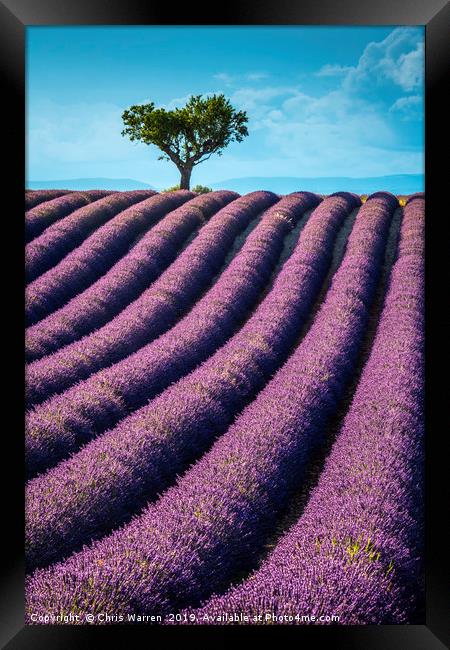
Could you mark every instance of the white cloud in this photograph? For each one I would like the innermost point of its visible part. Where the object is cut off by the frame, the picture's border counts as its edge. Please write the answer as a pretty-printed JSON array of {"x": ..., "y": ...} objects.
[
  {"x": 408, "y": 71},
  {"x": 333, "y": 70},
  {"x": 305, "y": 153},
  {"x": 410, "y": 107},
  {"x": 233, "y": 79},
  {"x": 252, "y": 97},
  {"x": 351, "y": 130},
  {"x": 225, "y": 78},
  {"x": 275, "y": 114},
  {"x": 84, "y": 140},
  {"x": 256, "y": 76},
  {"x": 347, "y": 129},
  {"x": 258, "y": 102},
  {"x": 176, "y": 102},
  {"x": 333, "y": 132},
  {"x": 78, "y": 133},
  {"x": 397, "y": 59}
]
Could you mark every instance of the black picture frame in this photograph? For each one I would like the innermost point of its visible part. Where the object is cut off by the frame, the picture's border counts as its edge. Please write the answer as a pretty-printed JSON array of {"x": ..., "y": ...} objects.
[{"x": 15, "y": 16}]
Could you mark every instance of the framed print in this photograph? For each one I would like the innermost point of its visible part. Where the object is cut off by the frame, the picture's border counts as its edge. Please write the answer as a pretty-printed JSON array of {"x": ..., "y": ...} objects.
[{"x": 231, "y": 235}]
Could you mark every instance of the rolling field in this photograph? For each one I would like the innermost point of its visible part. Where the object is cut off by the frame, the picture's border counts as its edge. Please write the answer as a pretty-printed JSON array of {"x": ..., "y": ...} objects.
[{"x": 224, "y": 408}]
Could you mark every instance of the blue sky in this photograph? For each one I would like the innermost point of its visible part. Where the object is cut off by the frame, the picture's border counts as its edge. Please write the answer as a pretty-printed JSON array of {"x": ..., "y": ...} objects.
[{"x": 321, "y": 101}]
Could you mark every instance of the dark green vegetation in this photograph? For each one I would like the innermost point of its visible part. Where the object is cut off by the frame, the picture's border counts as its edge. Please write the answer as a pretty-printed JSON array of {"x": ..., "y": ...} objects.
[{"x": 190, "y": 135}]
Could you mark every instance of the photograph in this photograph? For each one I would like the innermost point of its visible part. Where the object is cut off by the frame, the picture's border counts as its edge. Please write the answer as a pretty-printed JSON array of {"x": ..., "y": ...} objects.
[
  {"x": 224, "y": 339},
  {"x": 223, "y": 305}
]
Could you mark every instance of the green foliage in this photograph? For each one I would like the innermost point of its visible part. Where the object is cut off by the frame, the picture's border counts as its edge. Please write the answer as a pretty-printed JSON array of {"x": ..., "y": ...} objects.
[
  {"x": 198, "y": 189},
  {"x": 189, "y": 135},
  {"x": 201, "y": 189}
]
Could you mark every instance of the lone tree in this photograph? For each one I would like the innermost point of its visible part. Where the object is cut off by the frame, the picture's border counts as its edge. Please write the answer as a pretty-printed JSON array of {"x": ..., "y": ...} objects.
[{"x": 190, "y": 135}]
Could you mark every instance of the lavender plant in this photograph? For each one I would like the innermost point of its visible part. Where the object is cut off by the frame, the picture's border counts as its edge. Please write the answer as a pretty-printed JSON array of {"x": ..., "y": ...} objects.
[
  {"x": 66, "y": 234},
  {"x": 35, "y": 197},
  {"x": 356, "y": 550},
  {"x": 95, "y": 256},
  {"x": 66, "y": 421},
  {"x": 119, "y": 471},
  {"x": 207, "y": 527},
  {"x": 43, "y": 214},
  {"x": 155, "y": 310},
  {"x": 126, "y": 279}
]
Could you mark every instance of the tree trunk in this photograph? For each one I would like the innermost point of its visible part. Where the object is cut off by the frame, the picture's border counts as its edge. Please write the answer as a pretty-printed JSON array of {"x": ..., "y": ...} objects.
[{"x": 185, "y": 178}]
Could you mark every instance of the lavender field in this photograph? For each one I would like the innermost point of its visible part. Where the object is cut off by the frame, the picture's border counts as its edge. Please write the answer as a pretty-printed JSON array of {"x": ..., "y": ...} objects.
[{"x": 224, "y": 418}]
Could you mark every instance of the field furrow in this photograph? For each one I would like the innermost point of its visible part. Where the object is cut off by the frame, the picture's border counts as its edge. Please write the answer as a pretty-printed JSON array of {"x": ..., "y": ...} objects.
[
  {"x": 123, "y": 283},
  {"x": 356, "y": 551},
  {"x": 114, "y": 475},
  {"x": 35, "y": 197},
  {"x": 296, "y": 504},
  {"x": 64, "y": 422},
  {"x": 64, "y": 235},
  {"x": 157, "y": 308},
  {"x": 95, "y": 256},
  {"x": 204, "y": 530},
  {"x": 44, "y": 214}
]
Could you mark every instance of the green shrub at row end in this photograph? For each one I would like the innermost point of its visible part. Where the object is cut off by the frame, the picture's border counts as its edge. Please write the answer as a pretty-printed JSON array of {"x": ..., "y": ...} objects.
[{"x": 198, "y": 189}]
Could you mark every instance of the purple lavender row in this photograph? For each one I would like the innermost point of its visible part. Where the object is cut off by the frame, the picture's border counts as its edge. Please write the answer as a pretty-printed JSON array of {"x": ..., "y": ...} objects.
[
  {"x": 66, "y": 234},
  {"x": 116, "y": 474},
  {"x": 212, "y": 524},
  {"x": 123, "y": 283},
  {"x": 355, "y": 552},
  {"x": 45, "y": 213},
  {"x": 155, "y": 310},
  {"x": 34, "y": 197},
  {"x": 66, "y": 421},
  {"x": 95, "y": 256}
]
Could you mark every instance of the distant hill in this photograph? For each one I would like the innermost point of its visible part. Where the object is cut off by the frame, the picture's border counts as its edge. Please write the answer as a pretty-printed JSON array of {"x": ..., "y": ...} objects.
[
  {"x": 121, "y": 184},
  {"x": 397, "y": 184}
]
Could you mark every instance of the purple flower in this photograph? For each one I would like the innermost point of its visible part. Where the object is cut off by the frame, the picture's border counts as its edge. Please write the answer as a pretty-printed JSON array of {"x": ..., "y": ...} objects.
[
  {"x": 111, "y": 477},
  {"x": 61, "y": 424},
  {"x": 63, "y": 236},
  {"x": 99, "y": 251},
  {"x": 356, "y": 552},
  {"x": 205, "y": 529},
  {"x": 123, "y": 283}
]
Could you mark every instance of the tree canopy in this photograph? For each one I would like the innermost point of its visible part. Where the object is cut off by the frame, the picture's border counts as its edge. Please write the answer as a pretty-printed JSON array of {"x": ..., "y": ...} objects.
[{"x": 189, "y": 135}]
